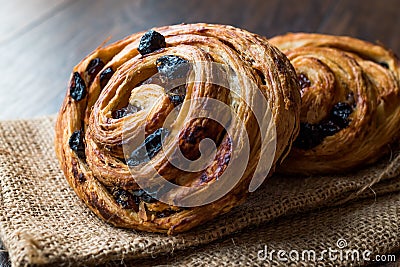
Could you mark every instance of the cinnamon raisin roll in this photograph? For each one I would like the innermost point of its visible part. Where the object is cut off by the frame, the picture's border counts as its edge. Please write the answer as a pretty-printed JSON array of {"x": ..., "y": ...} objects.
[
  {"x": 350, "y": 112},
  {"x": 140, "y": 113}
]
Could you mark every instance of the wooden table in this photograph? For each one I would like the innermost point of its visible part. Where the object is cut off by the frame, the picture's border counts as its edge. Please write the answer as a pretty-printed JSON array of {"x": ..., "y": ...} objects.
[{"x": 42, "y": 40}]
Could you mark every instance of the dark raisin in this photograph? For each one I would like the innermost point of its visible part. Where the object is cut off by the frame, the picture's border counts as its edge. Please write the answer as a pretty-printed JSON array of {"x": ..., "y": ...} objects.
[
  {"x": 149, "y": 148},
  {"x": 124, "y": 198},
  {"x": 309, "y": 136},
  {"x": 384, "y": 64},
  {"x": 328, "y": 128},
  {"x": 179, "y": 90},
  {"x": 162, "y": 215},
  {"x": 138, "y": 192},
  {"x": 148, "y": 199},
  {"x": 150, "y": 42},
  {"x": 77, "y": 89},
  {"x": 173, "y": 70},
  {"x": 76, "y": 143},
  {"x": 312, "y": 135},
  {"x": 81, "y": 178},
  {"x": 94, "y": 67},
  {"x": 136, "y": 200},
  {"x": 304, "y": 81},
  {"x": 154, "y": 141},
  {"x": 227, "y": 158},
  {"x": 172, "y": 67},
  {"x": 204, "y": 177},
  {"x": 340, "y": 114},
  {"x": 142, "y": 195},
  {"x": 165, "y": 213},
  {"x": 120, "y": 113},
  {"x": 105, "y": 76},
  {"x": 139, "y": 155},
  {"x": 176, "y": 99}
]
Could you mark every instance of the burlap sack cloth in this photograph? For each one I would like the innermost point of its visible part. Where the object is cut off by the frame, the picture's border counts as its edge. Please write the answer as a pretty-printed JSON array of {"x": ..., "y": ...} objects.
[{"x": 42, "y": 221}]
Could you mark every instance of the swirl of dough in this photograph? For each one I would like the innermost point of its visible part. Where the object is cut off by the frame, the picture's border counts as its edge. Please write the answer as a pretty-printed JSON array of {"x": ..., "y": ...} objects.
[
  {"x": 350, "y": 108},
  {"x": 127, "y": 91}
]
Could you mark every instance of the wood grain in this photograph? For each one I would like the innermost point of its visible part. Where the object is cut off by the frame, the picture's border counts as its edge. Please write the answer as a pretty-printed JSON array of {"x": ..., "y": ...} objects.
[
  {"x": 41, "y": 40},
  {"x": 19, "y": 16}
]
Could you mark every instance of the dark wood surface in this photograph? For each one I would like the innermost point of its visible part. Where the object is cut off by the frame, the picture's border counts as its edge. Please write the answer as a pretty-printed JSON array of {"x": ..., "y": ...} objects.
[{"x": 41, "y": 40}]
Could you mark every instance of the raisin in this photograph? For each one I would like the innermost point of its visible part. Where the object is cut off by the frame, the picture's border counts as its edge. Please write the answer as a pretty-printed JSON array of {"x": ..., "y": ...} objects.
[
  {"x": 176, "y": 100},
  {"x": 304, "y": 81},
  {"x": 309, "y": 136},
  {"x": 81, "y": 178},
  {"x": 137, "y": 200},
  {"x": 384, "y": 64},
  {"x": 148, "y": 199},
  {"x": 105, "y": 76},
  {"x": 165, "y": 213},
  {"x": 139, "y": 155},
  {"x": 312, "y": 135},
  {"x": 120, "y": 113},
  {"x": 124, "y": 198},
  {"x": 162, "y": 215},
  {"x": 94, "y": 67},
  {"x": 149, "y": 148},
  {"x": 227, "y": 158},
  {"x": 179, "y": 90},
  {"x": 172, "y": 67},
  {"x": 76, "y": 143},
  {"x": 340, "y": 114},
  {"x": 142, "y": 195},
  {"x": 154, "y": 141},
  {"x": 150, "y": 42},
  {"x": 204, "y": 177},
  {"x": 328, "y": 128},
  {"x": 77, "y": 89},
  {"x": 138, "y": 192}
]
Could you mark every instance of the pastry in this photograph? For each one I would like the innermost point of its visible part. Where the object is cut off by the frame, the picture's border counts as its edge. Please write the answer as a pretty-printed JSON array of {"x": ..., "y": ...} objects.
[
  {"x": 350, "y": 112},
  {"x": 128, "y": 113}
]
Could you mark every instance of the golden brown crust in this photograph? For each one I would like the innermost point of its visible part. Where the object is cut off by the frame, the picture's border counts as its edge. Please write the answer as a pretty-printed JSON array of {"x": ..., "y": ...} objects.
[
  {"x": 104, "y": 167},
  {"x": 340, "y": 69}
]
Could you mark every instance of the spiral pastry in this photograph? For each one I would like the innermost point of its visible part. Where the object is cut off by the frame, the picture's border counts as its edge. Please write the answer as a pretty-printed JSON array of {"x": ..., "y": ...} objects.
[
  {"x": 350, "y": 112},
  {"x": 134, "y": 106}
]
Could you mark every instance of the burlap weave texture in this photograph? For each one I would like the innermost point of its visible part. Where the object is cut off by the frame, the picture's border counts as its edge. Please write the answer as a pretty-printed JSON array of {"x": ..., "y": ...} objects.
[{"x": 42, "y": 221}]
